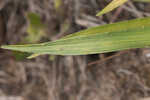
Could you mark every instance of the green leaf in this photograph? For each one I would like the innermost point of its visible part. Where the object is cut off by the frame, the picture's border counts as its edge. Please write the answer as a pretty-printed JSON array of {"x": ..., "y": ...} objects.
[
  {"x": 106, "y": 38},
  {"x": 33, "y": 55},
  {"x": 20, "y": 55},
  {"x": 114, "y": 4},
  {"x": 36, "y": 28},
  {"x": 35, "y": 20}
]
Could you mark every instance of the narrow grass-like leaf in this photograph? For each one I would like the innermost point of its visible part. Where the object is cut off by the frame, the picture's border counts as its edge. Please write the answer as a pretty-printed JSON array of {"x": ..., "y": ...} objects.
[
  {"x": 106, "y": 38},
  {"x": 114, "y": 4},
  {"x": 33, "y": 55}
]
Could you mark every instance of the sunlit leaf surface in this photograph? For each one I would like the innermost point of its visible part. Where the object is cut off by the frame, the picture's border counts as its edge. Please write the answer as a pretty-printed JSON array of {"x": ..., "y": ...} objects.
[
  {"x": 114, "y": 4},
  {"x": 106, "y": 38}
]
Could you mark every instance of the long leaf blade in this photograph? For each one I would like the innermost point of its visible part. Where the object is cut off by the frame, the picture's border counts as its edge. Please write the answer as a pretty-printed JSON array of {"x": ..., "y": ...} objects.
[
  {"x": 114, "y": 4},
  {"x": 106, "y": 38}
]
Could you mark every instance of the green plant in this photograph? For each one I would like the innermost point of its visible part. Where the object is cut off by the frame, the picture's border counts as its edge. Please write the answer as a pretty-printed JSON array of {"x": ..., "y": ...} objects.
[{"x": 111, "y": 37}]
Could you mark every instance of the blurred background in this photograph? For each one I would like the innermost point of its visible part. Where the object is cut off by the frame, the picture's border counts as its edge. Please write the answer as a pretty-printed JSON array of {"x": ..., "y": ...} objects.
[{"x": 123, "y": 75}]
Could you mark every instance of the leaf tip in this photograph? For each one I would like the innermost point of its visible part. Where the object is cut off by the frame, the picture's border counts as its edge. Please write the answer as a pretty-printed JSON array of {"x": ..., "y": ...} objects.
[
  {"x": 4, "y": 47},
  {"x": 33, "y": 56}
]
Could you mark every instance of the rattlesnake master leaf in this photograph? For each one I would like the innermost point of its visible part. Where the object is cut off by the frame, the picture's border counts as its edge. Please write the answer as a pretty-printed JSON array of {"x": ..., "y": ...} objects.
[
  {"x": 106, "y": 38},
  {"x": 114, "y": 4}
]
